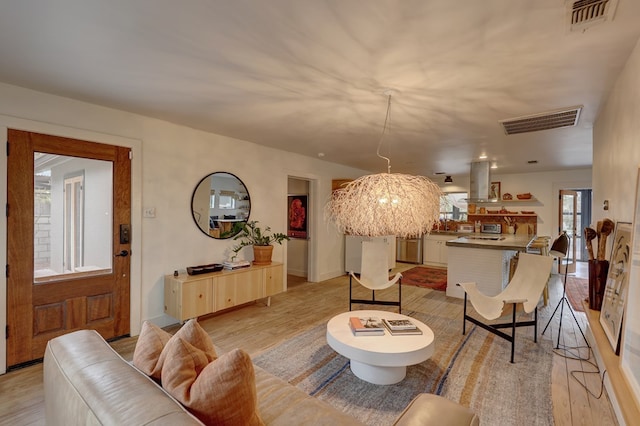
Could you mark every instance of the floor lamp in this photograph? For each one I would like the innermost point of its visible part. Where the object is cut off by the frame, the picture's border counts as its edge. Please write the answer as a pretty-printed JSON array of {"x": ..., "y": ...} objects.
[{"x": 559, "y": 249}]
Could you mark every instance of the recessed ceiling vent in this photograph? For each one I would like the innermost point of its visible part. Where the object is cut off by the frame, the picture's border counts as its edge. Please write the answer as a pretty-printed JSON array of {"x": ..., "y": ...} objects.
[
  {"x": 585, "y": 13},
  {"x": 547, "y": 120}
]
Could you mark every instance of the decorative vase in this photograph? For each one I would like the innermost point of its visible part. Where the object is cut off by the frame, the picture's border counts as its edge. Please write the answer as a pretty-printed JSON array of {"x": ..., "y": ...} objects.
[
  {"x": 262, "y": 255},
  {"x": 598, "y": 270},
  {"x": 511, "y": 229}
]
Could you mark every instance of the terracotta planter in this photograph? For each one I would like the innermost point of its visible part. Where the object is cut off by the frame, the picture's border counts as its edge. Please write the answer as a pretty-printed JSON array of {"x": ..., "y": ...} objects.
[{"x": 262, "y": 255}]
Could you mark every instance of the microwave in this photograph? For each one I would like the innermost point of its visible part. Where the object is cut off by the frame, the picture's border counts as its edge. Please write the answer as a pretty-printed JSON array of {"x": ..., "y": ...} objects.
[{"x": 491, "y": 228}]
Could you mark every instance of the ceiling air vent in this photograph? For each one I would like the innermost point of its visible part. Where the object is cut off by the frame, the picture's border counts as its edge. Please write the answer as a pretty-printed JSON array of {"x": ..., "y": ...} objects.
[
  {"x": 585, "y": 13},
  {"x": 547, "y": 120}
]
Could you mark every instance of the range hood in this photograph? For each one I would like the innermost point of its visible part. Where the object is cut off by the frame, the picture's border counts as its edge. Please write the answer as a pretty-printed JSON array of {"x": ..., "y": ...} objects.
[{"x": 480, "y": 183}]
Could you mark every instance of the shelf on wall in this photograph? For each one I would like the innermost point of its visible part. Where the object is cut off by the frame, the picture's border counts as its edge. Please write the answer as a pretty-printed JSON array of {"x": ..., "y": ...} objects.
[
  {"x": 514, "y": 201},
  {"x": 503, "y": 214}
]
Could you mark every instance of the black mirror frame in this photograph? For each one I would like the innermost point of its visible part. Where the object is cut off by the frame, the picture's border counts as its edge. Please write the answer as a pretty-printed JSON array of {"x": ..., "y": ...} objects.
[{"x": 193, "y": 212}]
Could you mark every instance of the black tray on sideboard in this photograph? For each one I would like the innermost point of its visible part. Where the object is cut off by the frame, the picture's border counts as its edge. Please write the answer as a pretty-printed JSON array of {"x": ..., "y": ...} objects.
[{"x": 204, "y": 269}]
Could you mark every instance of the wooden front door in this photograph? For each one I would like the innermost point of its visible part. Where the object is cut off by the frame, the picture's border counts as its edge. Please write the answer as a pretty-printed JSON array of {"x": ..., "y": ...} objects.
[{"x": 68, "y": 240}]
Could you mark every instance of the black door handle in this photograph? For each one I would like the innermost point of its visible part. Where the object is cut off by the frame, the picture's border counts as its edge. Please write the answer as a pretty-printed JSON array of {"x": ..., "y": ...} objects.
[{"x": 123, "y": 253}]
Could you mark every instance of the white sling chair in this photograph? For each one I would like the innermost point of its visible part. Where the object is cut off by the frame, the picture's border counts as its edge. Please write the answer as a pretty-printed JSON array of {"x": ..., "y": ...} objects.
[
  {"x": 526, "y": 287},
  {"x": 374, "y": 275}
]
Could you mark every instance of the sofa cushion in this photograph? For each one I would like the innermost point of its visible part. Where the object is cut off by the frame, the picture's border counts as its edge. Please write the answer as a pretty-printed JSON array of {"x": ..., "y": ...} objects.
[
  {"x": 428, "y": 409},
  {"x": 282, "y": 404},
  {"x": 86, "y": 382},
  {"x": 151, "y": 341},
  {"x": 218, "y": 393}
]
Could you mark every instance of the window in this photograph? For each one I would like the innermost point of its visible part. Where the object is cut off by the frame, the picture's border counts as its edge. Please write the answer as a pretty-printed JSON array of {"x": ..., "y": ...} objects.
[
  {"x": 226, "y": 202},
  {"x": 73, "y": 224},
  {"x": 453, "y": 206}
]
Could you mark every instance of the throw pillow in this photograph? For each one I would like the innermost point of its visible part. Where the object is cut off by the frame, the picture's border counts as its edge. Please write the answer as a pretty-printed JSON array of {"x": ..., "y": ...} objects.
[
  {"x": 150, "y": 343},
  {"x": 153, "y": 338},
  {"x": 222, "y": 393},
  {"x": 193, "y": 333},
  {"x": 181, "y": 367}
]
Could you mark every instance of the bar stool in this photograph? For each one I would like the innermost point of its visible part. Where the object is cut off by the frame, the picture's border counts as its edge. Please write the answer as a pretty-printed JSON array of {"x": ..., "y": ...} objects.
[{"x": 541, "y": 246}]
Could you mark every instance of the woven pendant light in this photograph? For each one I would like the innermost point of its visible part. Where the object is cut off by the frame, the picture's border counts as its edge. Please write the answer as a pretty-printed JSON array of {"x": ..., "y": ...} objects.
[{"x": 385, "y": 203}]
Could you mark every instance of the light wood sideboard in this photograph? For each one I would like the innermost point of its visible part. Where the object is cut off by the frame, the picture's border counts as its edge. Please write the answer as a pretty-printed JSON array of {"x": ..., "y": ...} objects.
[{"x": 191, "y": 296}]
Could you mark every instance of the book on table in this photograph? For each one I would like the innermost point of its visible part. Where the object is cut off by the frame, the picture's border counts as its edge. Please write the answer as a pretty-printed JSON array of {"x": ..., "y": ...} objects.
[
  {"x": 369, "y": 326},
  {"x": 237, "y": 264},
  {"x": 399, "y": 324},
  {"x": 402, "y": 332}
]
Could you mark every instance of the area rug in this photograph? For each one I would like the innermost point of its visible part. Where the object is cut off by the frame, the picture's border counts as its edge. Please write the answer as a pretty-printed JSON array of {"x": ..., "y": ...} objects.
[
  {"x": 473, "y": 370},
  {"x": 577, "y": 291},
  {"x": 422, "y": 276}
]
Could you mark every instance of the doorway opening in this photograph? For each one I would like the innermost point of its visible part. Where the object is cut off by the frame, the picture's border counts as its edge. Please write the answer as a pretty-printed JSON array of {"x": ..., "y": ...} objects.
[
  {"x": 298, "y": 219},
  {"x": 574, "y": 216},
  {"x": 583, "y": 215}
]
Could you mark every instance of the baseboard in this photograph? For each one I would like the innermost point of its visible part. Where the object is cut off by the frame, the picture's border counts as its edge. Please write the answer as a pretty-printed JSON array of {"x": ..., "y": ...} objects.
[
  {"x": 624, "y": 406},
  {"x": 163, "y": 320},
  {"x": 331, "y": 275},
  {"x": 607, "y": 382},
  {"x": 297, "y": 273}
]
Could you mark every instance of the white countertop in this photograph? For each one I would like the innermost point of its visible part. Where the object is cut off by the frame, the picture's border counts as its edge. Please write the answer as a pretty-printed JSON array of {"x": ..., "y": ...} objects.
[{"x": 493, "y": 241}]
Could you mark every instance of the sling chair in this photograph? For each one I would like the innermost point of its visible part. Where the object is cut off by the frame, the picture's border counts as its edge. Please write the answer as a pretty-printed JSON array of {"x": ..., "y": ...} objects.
[
  {"x": 374, "y": 275},
  {"x": 525, "y": 288}
]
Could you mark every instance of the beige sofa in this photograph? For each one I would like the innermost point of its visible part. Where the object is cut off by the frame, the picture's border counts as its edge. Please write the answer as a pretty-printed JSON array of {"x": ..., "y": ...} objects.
[{"x": 87, "y": 383}]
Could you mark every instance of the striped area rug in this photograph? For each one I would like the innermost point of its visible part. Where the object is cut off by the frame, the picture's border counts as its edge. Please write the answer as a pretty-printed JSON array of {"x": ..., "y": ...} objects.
[{"x": 473, "y": 370}]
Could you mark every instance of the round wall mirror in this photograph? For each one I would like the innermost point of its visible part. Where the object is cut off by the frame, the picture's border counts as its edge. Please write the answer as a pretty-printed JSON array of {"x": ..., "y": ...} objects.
[{"x": 219, "y": 204}]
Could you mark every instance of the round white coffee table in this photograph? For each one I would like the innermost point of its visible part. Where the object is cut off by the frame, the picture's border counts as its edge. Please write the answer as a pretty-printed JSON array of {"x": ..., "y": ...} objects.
[{"x": 381, "y": 360}]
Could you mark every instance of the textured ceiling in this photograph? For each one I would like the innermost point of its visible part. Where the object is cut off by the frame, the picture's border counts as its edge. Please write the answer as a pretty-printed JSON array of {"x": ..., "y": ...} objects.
[{"x": 310, "y": 76}]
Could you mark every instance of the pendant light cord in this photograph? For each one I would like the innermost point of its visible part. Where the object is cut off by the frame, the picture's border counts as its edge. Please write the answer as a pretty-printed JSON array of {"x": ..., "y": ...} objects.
[{"x": 387, "y": 121}]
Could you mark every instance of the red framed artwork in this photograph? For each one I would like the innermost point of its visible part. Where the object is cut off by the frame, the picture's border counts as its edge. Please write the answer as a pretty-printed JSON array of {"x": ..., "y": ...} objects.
[{"x": 297, "y": 224}]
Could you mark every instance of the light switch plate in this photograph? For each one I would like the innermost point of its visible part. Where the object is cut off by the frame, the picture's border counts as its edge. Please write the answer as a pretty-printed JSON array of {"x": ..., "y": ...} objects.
[{"x": 149, "y": 212}]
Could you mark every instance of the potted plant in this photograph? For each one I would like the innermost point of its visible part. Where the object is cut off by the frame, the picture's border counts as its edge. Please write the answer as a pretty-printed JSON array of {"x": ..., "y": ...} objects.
[{"x": 252, "y": 235}]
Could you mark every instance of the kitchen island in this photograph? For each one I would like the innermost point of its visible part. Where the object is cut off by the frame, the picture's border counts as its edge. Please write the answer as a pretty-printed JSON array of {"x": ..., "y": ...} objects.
[{"x": 484, "y": 259}]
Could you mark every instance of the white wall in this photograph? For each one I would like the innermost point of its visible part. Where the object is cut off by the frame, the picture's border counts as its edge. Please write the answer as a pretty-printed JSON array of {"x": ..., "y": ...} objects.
[
  {"x": 616, "y": 145},
  {"x": 544, "y": 186},
  {"x": 616, "y": 159},
  {"x": 168, "y": 163}
]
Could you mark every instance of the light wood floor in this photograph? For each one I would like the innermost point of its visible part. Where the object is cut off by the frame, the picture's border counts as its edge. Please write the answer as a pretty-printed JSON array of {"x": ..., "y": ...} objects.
[{"x": 256, "y": 327}]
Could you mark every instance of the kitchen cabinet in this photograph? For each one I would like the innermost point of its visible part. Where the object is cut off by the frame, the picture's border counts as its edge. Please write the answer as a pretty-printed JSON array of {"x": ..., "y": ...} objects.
[
  {"x": 353, "y": 251},
  {"x": 435, "y": 249},
  {"x": 191, "y": 296}
]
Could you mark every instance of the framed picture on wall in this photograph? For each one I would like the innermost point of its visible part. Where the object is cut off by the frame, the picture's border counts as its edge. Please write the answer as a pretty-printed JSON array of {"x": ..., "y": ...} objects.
[
  {"x": 494, "y": 190},
  {"x": 297, "y": 209},
  {"x": 615, "y": 292},
  {"x": 630, "y": 352}
]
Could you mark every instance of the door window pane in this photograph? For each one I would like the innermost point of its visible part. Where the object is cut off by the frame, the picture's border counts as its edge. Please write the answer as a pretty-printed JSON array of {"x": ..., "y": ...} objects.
[{"x": 73, "y": 219}]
